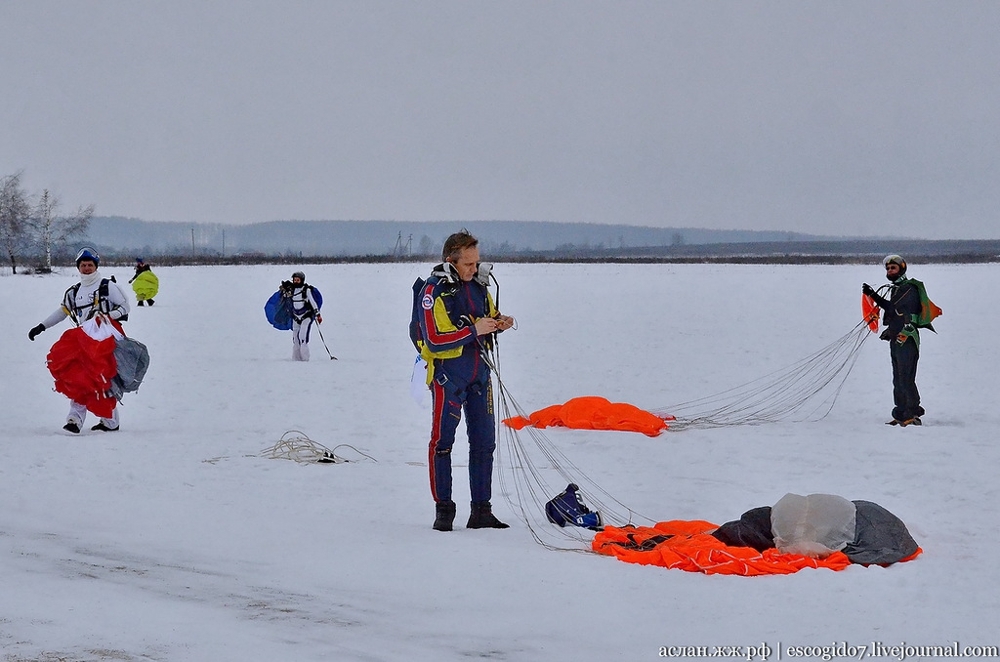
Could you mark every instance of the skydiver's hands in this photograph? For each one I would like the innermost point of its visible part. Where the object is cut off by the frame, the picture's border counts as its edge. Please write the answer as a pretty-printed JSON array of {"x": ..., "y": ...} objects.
[
  {"x": 504, "y": 322},
  {"x": 867, "y": 289},
  {"x": 319, "y": 318},
  {"x": 35, "y": 331},
  {"x": 485, "y": 325}
]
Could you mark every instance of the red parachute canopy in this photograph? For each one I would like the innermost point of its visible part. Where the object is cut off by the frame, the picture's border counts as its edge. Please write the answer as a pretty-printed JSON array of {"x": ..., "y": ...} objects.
[
  {"x": 593, "y": 413},
  {"x": 83, "y": 368}
]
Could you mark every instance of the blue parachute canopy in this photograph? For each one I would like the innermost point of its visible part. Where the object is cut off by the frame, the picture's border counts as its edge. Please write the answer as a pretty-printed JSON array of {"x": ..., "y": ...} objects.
[{"x": 278, "y": 310}]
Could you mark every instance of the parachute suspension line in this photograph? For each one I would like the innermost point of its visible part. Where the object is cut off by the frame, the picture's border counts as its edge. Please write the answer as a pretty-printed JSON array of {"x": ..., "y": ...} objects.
[
  {"x": 522, "y": 468},
  {"x": 296, "y": 445},
  {"x": 805, "y": 390}
]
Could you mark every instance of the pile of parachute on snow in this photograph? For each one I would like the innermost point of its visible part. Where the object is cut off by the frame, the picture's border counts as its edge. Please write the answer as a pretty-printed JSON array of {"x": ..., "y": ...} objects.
[
  {"x": 814, "y": 531},
  {"x": 593, "y": 413}
]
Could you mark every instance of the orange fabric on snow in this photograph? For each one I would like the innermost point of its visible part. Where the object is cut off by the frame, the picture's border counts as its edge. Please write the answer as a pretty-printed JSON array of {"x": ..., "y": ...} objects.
[
  {"x": 593, "y": 413},
  {"x": 687, "y": 545}
]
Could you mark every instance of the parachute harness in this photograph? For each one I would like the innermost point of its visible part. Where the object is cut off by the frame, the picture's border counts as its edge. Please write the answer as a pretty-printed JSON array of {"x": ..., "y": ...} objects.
[{"x": 297, "y": 446}]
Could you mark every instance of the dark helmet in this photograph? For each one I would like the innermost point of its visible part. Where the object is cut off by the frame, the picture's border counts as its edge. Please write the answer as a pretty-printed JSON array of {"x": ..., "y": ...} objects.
[
  {"x": 88, "y": 253},
  {"x": 300, "y": 275},
  {"x": 895, "y": 259}
]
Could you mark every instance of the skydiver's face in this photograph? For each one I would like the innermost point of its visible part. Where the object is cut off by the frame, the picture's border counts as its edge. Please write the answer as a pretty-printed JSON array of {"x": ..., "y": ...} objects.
[
  {"x": 86, "y": 267},
  {"x": 467, "y": 263},
  {"x": 296, "y": 280},
  {"x": 892, "y": 271}
]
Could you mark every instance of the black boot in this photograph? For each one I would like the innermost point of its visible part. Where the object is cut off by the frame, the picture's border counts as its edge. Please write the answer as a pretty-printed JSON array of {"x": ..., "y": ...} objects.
[
  {"x": 445, "y": 515},
  {"x": 482, "y": 517}
]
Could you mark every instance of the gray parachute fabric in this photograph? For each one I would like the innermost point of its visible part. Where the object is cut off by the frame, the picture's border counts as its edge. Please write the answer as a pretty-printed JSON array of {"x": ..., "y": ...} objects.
[
  {"x": 132, "y": 358},
  {"x": 880, "y": 537},
  {"x": 752, "y": 529}
]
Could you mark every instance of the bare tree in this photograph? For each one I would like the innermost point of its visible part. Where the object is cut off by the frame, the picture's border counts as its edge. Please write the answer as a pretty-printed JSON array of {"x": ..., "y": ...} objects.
[
  {"x": 50, "y": 230},
  {"x": 15, "y": 210}
]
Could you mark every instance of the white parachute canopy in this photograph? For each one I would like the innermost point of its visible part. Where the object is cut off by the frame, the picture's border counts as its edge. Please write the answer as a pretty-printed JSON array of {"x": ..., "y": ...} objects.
[{"x": 816, "y": 525}]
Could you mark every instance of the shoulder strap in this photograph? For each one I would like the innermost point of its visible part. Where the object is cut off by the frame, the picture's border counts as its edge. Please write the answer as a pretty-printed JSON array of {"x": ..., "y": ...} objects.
[
  {"x": 104, "y": 298},
  {"x": 309, "y": 289},
  {"x": 69, "y": 302}
]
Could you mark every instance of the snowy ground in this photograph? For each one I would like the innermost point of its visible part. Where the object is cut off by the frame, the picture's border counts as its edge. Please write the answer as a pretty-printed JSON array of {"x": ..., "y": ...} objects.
[{"x": 174, "y": 540}]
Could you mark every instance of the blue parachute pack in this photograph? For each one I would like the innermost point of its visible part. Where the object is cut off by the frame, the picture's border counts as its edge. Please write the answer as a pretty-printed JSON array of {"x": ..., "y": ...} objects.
[
  {"x": 278, "y": 308},
  {"x": 568, "y": 508},
  {"x": 416, "y": 336}
]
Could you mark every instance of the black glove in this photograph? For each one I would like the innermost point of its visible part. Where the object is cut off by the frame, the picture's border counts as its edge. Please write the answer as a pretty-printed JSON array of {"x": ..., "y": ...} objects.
[
  {"x": 867, "y": 289},
  {"x": 35, "y": 331}
]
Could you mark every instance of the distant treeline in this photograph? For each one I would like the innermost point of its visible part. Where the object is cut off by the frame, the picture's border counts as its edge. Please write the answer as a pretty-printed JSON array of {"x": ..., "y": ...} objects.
[
  {"x": 121, "y": 240},
  {"x": 322, "y": 239},
  {"x": 927, "y": 252}
]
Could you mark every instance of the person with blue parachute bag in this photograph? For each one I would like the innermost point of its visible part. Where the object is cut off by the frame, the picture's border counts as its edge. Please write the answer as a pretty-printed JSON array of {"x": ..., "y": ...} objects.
[{"x": 294, "y": 307}]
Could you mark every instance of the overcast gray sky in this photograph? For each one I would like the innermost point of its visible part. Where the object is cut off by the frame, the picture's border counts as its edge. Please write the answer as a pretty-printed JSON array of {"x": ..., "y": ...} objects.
[{"x": 867, "y": 118}]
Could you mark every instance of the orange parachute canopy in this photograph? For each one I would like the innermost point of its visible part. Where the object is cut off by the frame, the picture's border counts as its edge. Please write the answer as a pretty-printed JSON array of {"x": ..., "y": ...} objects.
[
  {"x": 688, "y": 545},
  {"x": 870, "y": 312},
  {"x": 593, "y": 413}
]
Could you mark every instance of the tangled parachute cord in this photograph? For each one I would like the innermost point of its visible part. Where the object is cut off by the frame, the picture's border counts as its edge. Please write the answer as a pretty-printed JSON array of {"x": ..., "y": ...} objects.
[
  {"x": 297, "y": 446},
  {"x": 805, "y": 390},
  {"x": 525, "y": 458}
]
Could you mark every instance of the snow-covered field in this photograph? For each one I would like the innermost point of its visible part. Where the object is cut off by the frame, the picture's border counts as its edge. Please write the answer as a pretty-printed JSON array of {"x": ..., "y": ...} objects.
[{"x": 173, "y": 539}]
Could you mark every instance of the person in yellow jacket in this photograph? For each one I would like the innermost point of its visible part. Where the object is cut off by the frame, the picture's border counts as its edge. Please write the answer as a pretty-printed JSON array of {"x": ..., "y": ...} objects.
[{"x": 145, "y": 284}]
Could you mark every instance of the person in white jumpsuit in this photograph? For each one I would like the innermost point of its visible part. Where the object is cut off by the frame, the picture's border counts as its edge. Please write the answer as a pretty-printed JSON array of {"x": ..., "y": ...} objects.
[
  {"x": 304, "y": 311},
  {"x": 81, "y": 303}
]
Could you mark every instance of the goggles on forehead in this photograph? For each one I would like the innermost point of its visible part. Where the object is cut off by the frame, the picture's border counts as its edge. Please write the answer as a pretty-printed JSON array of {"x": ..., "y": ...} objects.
[
  {"x": 88, "y": 254},
  {"x": 894, "y": 259}
]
